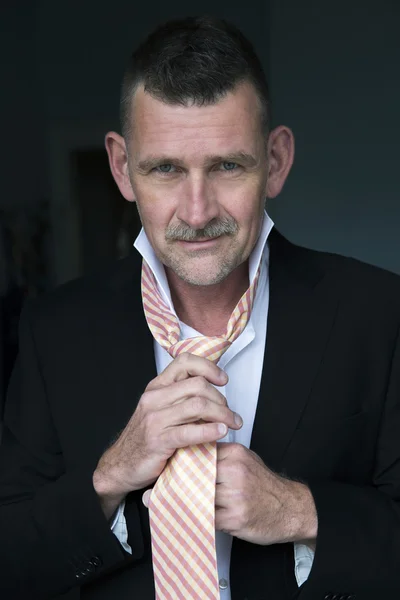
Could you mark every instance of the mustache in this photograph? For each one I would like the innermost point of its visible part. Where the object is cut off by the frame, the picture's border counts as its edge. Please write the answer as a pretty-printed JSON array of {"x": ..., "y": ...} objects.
[{"x": 213, "y": 229}]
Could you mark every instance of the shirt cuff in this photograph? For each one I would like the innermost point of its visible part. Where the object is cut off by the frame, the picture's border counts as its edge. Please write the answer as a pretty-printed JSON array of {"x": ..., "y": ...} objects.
[
  {"x": 303, "y": 561},
  {"x": 119, "y": 528}
]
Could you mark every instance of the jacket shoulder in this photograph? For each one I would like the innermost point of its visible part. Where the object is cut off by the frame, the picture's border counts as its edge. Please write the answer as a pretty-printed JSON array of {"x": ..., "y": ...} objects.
[
  {"x": 79, "y": 297},
  {"x": 358, "y": 280}
]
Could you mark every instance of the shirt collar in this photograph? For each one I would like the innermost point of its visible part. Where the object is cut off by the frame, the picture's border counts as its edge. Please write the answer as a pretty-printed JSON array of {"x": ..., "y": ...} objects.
[{"x": 144, "y": 247}]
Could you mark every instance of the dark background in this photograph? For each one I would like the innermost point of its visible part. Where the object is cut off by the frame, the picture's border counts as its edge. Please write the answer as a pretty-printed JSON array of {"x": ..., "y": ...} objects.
[{"x": 334, "y": 74}]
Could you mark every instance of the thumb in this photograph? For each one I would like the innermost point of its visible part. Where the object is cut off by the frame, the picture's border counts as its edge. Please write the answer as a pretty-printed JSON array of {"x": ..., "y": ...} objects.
[{"x": 146, "y": 498}]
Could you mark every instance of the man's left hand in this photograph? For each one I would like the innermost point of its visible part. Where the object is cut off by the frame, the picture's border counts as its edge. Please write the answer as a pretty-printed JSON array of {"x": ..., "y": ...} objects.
[{"x": 259, "y": 506}]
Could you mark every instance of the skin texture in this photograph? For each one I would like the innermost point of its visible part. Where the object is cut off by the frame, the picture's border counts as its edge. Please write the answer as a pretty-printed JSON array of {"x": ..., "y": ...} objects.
[{"x": 200, "y": 177}]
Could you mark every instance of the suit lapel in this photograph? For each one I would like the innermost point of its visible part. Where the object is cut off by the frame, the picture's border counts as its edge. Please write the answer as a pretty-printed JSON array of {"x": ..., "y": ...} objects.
[{"x": 301, "y": 314}]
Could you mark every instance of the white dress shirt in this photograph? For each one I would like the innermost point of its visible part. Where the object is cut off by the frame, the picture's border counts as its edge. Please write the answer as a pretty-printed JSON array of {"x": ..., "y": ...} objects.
[{"x": 243, "y": 363}]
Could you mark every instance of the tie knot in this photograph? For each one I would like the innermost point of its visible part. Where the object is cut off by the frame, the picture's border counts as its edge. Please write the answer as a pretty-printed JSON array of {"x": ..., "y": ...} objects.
[
  {"x": 209, "y": 347},
  {"x": 164, "y": 324}
]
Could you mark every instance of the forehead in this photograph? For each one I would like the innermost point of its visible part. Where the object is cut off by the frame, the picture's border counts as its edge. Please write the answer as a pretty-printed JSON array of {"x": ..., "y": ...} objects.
[{"x": 232, "y": 123}]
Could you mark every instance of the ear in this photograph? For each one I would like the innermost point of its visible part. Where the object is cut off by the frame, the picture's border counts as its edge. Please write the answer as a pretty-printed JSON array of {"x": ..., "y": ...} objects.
[
  {"x": 118, "y": 159},
  {"x": 280, "y": 159}
]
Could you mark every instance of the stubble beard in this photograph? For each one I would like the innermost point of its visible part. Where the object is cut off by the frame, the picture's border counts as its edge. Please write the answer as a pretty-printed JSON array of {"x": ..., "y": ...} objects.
[
  {"x": 190, "y": 271},
  {"x": 190, "y": 268},
  {"x": 183, "y": 266}
]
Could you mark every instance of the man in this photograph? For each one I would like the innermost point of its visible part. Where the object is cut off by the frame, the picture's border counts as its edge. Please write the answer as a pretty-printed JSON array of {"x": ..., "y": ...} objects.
[{"x": 306, "y": 397}]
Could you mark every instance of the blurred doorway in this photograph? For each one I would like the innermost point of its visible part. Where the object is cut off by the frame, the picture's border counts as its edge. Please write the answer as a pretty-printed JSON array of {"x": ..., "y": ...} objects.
[
  {"x": 91, "y": 224},
  {"x": 108, "y": 224}
]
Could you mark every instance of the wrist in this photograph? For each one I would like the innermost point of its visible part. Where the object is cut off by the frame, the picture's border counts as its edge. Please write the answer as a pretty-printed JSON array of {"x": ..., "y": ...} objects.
[
  {"x": 109, "y": 495},
  {"x": 304, "y": 525}
]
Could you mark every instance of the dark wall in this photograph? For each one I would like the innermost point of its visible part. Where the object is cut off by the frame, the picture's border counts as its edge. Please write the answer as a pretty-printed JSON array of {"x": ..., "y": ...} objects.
[
  {"x": 23, "y": 160},
  {"x": 335, "y": 78}
]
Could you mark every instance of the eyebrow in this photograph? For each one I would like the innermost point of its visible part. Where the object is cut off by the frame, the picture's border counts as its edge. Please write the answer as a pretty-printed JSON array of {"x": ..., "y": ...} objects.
[
  {"x": 243, "y": 158},
  {"x": 149, "y": 163},
  {"x": 155, "y": 161}
]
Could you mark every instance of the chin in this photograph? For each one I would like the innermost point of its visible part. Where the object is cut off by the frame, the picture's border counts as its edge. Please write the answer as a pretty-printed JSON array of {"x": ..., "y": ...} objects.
[
  {"x": 201, "y": 281},
  {"x": 202, "y": 277},
  {"x": 202, "y": 270}
]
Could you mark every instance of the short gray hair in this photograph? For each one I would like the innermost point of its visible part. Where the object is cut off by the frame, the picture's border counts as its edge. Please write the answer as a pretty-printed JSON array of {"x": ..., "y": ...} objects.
[{"x": 196, "y": 60}]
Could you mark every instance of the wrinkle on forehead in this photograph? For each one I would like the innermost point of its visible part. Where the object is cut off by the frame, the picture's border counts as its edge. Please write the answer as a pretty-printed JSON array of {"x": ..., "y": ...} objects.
[{"x": 230, "y": 125}]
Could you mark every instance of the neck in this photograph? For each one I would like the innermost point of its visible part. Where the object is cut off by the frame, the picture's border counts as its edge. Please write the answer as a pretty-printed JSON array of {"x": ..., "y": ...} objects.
[{"x": 208, "y": 308}]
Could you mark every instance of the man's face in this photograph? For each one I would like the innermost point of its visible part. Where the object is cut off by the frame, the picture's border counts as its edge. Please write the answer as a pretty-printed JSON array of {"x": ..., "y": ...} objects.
[{"x": 199, "y": 178}]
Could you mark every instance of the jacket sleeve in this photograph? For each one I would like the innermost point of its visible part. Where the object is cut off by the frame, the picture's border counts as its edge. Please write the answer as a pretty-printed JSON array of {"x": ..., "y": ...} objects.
[
  {"x": 358, "y": 544},
  {"x": 54, "y": 535}
]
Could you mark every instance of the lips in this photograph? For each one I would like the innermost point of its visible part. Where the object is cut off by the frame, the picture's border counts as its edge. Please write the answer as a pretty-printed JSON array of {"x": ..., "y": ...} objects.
[{"x": 200, "y": 243}]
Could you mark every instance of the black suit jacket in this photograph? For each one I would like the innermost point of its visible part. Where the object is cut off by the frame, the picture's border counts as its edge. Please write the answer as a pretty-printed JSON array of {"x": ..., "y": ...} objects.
[{"x": 328, "y": 414}]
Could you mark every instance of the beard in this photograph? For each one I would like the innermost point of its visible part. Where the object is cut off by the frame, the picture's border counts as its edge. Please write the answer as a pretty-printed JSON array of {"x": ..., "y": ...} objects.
[
  {"x": 205, "y": 272},
  {"x": 215, "y": 228}
]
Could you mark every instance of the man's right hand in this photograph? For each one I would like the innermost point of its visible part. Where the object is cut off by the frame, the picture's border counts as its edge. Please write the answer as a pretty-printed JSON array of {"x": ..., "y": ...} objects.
[{"x": 179, "y": 408}]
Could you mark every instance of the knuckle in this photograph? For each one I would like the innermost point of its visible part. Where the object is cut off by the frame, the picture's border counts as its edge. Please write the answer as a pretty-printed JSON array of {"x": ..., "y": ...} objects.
[
  {"x": 238, "y": 451},
  {"x": 201, "y": 383},
  {"x": 184, "y": 358},
  {"x": 241, "y": 519},
  {"x": 208, "y": 431},
  {"x": 182, "y": 436},
  {"x": 198, "y": 404},
  {"x": 235, "y": 472},
  {"x": 149, "y": 423},
  {"x": 228, "y": 414},
  {"x": 146, "y": 396},
  {"x": 150, "y": 386}
]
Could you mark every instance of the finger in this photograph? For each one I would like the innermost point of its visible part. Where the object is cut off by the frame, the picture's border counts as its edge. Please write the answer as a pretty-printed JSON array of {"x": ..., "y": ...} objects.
[
  {"x": 223, "y": 520},
  {"x": 199, "y": 408},
  {"x": 197, "y": 386},
  {"x": 180, "y": 391},
  {"x": 221, "y": 496},
  {"x": 189, "y": 365},
  {"x": 146, "y": 498},
  {"x": 225, "y": 449},
  {"x": 194, "y": 434}
]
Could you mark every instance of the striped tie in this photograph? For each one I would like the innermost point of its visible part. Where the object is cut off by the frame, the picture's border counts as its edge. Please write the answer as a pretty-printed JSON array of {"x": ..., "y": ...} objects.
[{"x": 182, "y": 502}]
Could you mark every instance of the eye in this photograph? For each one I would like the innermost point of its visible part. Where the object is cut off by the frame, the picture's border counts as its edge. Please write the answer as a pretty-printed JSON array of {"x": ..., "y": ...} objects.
[
  {"x": 229, "y": 166},
  {"x": 167, "y": 168}
]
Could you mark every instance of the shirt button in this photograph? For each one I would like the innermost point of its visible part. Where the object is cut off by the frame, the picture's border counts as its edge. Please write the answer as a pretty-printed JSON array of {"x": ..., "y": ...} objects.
[{"x": 223, "y": 584}]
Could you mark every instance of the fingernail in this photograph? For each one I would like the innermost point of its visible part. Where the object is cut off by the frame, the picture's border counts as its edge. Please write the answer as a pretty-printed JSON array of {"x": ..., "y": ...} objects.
[
  {"x": 223, "y": 376},
  {"x": 238, "y": 420},
  {"x": 146, "y": 498},
  {"x": 222, "y": 428}
]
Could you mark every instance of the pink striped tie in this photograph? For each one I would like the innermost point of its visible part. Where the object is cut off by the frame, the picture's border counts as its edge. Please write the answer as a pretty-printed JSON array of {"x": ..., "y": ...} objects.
[{"x": 182, "y": 503}]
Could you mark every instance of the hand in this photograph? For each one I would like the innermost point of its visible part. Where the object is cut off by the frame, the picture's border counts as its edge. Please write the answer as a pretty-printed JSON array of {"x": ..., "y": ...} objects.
[
  {"x": 257, "y": 505},
  {"x": 179, "y": 408}
]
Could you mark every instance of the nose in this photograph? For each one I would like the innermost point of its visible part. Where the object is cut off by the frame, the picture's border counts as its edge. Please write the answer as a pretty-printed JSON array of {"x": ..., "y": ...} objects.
[{"x": 198, "y": 204}]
